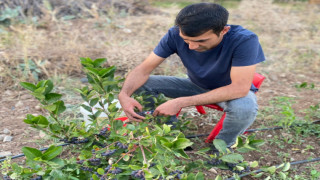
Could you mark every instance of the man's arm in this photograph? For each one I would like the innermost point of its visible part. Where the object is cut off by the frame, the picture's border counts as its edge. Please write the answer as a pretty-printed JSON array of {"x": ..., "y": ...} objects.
[
  {"x": 241, "y": 78},
  {"x": 135, "y": 79}
]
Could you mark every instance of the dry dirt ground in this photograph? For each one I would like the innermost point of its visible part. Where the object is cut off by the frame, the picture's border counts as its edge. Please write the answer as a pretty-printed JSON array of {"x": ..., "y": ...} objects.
[{"x": 289, "y": 36}]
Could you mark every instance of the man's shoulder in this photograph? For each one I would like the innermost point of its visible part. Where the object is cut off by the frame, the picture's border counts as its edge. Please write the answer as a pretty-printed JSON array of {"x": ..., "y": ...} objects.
[
  {"x": 238, "y": 33},
  {"x": 174, "y": 31}
]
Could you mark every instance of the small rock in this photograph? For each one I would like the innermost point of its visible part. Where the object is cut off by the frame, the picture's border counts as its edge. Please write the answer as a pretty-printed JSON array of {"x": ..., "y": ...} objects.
[
  {"x": 6, "y": 131},
  {"x": 37, "y": 108},
  {"x": 127, "y": 30},
  {"x": 5, "y": 154},
  {"x": 1, "y": 137},
  {"x": 7, "y": 139},
  {"x": 269, "y": 136},
  {"x": 26, "y": 96},
  {"x": 213, "y": 170},
  {"x": 8, "y": 93},
  {"x": 283, "y": 75},
  {"x": 18, "y": 104}
]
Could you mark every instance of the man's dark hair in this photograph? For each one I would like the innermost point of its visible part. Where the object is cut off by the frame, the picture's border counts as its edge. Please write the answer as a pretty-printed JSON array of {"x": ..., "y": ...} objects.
[{"x": 196, "y": 19}]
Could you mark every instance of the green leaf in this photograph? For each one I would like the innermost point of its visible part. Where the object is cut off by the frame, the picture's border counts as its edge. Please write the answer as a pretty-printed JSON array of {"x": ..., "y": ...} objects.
[
  {"x": 126, "y": 158},
  {"x": 232, "y": 158},
  {"x": 52, "y": 152},
  {"x": 204, "y": 149},
  {"x": 42, "y": 121},
  {"x": 57, "y": 174},
  {"x": 271, "y": 169},
  {"x": 282, "y": 175},
  {"x": 220, "y": 145},
  {"x": 89, "y": 109},
  {"x": 100, "y": 171},
  {"x": 166, "y": 129},
  {"x": 60, "y": 107},
  {"x": 218, "y": 178},
  {"x": 31, "y": 153},
  {"x": 258, "y": 175},
  {"x": 108, "y": 83},
  {"x": 109, "y": 72},
  {"x": 256, "y": 143},
  {"x": 51, "y": 107},
  {"x": 191, "y": 176},
  {"x": 113, "y": 107},
  {"x": 93, "y": 71},
  {"x": 181, "y": 153},
  {"x": 48, "y": 86},
  {"x": 28, "y": 86},
  {"x": 52, "y": 97},
  {"x": 55, "y": 128},
  {"x": 98, "y": 62},
  {"x": 181, "y": 143},
  {"x": 130, "y": 127},
  {"x": 286, "y": 166},
  {"x": 254, "y": 164},
  {"x": 56, "y": 163},
  {"x": 199, "y": 176},
  {"x": 93, "y": 102}
]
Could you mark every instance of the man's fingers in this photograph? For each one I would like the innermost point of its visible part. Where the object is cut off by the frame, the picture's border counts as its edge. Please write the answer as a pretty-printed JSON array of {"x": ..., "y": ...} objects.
[
  {"x": 137, "y": 116},
  {"x": 131, "y": 118}
]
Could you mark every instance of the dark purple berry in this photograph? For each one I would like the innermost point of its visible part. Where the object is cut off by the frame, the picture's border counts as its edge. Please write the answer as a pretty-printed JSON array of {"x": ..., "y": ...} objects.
[
  {"x": 215, "y": 161},
  {"x": 107, "y": 168},
  {"x": 86, "y": 169},
  {"x": 108, "y": 153},
  {"x": 80, "y": 162},
  {"x": 138, "y": 174},
  {"x": 122, "y": 146},
  {"x": 116, "y": 171}
]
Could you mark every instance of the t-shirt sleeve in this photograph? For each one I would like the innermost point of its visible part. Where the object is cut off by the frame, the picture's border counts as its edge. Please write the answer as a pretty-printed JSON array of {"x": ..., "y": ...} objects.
[
  {"x": 166, "y": 46},
  {"x": 247, "y": 53}
]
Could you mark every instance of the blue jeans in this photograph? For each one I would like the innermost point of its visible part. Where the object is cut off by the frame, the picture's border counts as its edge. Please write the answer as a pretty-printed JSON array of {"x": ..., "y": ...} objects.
[{"x": 240, "y": 113}]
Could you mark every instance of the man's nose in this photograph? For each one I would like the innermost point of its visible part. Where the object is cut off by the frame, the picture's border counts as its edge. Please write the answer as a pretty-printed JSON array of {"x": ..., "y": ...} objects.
[{"x": 193, "y": 45}]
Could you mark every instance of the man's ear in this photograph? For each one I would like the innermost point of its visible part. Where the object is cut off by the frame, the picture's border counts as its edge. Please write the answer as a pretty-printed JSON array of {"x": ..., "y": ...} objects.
[{"x": 225, "y": 30}]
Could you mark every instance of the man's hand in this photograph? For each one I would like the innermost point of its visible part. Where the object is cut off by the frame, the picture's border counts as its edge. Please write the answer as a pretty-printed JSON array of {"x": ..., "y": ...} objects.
[
  {"x": 128, "y": 105},
  {"x": 169, "y": 108}
]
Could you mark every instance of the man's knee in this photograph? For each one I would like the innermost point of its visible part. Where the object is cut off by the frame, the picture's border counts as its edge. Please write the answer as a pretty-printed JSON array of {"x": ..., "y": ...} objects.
[{"x": 243, "y": 108}]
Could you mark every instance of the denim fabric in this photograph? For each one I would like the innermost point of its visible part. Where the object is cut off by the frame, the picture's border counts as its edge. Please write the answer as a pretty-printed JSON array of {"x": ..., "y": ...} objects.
[{"x": 240, "y": 113}]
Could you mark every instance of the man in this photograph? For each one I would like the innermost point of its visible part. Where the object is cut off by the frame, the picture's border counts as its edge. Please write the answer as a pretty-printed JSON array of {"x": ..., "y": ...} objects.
[{"x": 220, "y": 59}]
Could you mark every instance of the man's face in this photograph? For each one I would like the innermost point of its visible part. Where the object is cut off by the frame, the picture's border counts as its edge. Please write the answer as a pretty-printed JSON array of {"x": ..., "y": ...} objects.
[{"x": 205, "y": 41}]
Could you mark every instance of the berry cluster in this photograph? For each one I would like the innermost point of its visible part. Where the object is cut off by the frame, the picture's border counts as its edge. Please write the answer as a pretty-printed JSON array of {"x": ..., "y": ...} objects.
[
  {"x": 116, "y": 171},
  {"x": 144, "y": 113},
  {"x": 107, "y": 168},
  {"x": 37, "y": 178},
  {"x": 138, "y": 174},
  {"x": 215, "y": 161},
  {"x": 95, "y": 162},
  {"x": 75, "y": 140},
  {"x": 152, "y": 164},
  {"x": 232, "y": 166},
  {"x": 122, "y": 146},
  {"x": 98, "y": 144},
  {"x": 80, "y": 162},
  {"x": 108, "y": 153},
  {"x": 177, "y": 173},
  {"x": 6, "y": 178},
  {"x": 103, "y": 132},
  {"x": 86, "y": 169}
]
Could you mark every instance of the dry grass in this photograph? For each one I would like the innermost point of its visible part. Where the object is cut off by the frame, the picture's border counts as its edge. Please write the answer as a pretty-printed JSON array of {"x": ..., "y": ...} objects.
[{"x": 289, "y": 34}]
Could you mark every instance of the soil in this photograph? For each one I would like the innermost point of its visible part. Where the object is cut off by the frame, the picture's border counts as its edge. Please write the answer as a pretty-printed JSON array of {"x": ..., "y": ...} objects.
[{"x": 281, "y": 80}]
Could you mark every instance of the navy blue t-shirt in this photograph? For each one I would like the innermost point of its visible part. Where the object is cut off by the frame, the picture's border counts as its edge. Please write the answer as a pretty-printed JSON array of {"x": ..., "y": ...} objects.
[{"x": 211, "y": 69}]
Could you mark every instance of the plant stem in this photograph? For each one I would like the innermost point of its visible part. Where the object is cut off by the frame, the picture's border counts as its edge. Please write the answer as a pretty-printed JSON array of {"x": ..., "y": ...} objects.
[{"x": 144, "y": 156}]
